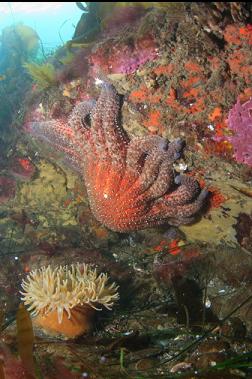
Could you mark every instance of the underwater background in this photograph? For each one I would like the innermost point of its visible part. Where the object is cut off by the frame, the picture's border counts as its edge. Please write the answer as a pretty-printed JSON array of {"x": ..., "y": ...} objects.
[
  {"x": 125, "y": 190},
  {"x": 43, "y": 17}
]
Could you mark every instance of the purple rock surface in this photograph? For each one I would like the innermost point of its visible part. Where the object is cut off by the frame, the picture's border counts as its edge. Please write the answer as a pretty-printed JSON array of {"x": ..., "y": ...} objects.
[{"x": 240, "y": 122}]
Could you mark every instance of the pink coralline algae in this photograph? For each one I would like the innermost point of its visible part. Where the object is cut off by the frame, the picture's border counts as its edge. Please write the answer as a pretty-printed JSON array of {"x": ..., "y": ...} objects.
[
  {"x": 240, "y": 122},
  {"x": 123, "y": 58},
  {"x": 131, "y": 184}
]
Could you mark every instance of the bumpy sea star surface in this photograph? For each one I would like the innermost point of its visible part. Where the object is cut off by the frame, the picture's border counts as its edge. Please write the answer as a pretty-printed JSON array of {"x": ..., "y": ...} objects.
[{"x": 131, "y": 184}]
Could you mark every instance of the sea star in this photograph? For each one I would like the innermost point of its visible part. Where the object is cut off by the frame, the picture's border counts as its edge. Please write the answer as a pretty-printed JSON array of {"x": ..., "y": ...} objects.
[{"x": 131, "y": 184}]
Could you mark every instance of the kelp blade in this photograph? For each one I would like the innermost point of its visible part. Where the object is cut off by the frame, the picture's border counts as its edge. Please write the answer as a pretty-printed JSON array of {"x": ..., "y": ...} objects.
[
  {"x": 2, "y": 375},
  {"x": 25, "y": 339}
]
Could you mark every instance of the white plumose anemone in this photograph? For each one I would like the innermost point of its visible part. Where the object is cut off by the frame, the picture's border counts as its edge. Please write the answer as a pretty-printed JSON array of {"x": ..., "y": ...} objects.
[{"x": 63, "y": 288}]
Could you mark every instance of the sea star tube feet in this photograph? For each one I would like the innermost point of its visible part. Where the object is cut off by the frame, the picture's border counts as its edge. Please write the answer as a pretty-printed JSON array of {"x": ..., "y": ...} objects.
[{"x": 131, "y": 184}]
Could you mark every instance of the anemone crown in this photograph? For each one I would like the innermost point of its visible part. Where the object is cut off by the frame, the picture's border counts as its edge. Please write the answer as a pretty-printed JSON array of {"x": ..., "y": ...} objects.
[{"x": 64, "y": 287}]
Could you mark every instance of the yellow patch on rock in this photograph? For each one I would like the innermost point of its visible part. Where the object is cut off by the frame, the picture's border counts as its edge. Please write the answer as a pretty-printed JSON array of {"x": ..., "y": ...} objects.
[
  {"x": 217, "y": 226},
  {"x": 47, "y": 194}
]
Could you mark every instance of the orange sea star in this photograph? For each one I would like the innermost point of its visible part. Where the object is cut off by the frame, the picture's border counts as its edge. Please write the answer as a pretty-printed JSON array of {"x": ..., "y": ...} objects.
[{"x": 131, "y": 184}]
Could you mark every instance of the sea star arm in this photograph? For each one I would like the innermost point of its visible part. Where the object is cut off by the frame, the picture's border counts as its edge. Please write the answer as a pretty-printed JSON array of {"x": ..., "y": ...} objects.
[
  {"x": 152, "y": 166},
  {"x": 139, "y": 148},
  {"x": 175, "y": 149},
  {"x": 164, "y": 181},
  {"x": 187, "y": 191},
  {"x": 152, "y": 158},
  {"x": 56, "y": 134},
  {"x": 105, "y": 117},
  {"x": 183, "y": 211},
  {"x": 79, "y": 120}
]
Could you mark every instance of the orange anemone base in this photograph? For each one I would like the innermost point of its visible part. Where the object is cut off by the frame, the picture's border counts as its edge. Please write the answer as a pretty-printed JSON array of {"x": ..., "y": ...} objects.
[{"x": 80, "y": 322}]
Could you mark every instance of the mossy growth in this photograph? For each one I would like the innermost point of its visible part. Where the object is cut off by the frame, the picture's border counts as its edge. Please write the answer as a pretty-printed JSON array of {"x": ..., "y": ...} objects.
[
  {"x": 43, "y": 75},
  {"x": 67, "y": 58}
]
